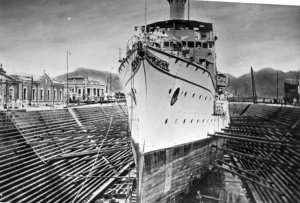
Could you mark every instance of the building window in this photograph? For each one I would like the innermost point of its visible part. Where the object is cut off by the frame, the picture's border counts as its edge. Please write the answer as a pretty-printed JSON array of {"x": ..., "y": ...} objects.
[
  {"x": 60, "y": 95},
  {"x": 11, "y": 94},
  {"x": 54, "y": 95},
  {"x": 79, "y": 91},
  {"x": 48, "y": 94},
  {"x": 25, "y": 93},
  {"x": 33, "y": 94},
  {"x": 42, "y": 94}
]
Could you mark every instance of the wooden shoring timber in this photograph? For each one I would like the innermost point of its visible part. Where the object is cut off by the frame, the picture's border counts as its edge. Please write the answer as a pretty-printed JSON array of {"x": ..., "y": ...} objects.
[
  {"x": 77, "y": 139},
  {"x": 246, "y": 172},
  {"x": 113, "y": 161},
  {"x": 107, "y": 184},
  {"x": 89, "y": 153},
  {"x": 266, "y": 169},
  {"x": 112, "y": 168},
  {"x": 100, "y": 176},
  {"x": 249, "y": 179},
  {"x": 274, "y": 120},
  {"x": 265, "y": 132},
  {"x": 68, "y": 134},
  {"x": 255, "y": 139},
  {"x": 254, "y": 147},
  {"x": 261, "y": 125},
  {"x": 97, "y": 144},
  {"x": 261, "y": 159}
]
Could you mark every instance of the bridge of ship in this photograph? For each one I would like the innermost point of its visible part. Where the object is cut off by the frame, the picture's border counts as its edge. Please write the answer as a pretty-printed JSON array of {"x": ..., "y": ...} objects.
[{"x": 191, "y": 40}]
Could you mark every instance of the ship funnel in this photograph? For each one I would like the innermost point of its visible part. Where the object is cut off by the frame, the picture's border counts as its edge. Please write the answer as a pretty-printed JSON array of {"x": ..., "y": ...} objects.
[{"x": 177, "y": 8}]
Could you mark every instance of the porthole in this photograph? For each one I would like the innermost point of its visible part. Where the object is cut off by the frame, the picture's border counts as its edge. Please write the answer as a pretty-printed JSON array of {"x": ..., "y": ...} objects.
[
  {"x": 170, "y": 91},
  {"x": 185, "y": 93},
  {"x": 203, "y": 121},
  {"x": 198, "y": 121},
  {"x": 166, "y": 121},
  {"x": 175, "y": 96},
  {"x": 184, "y": 121},
  {"x": 191, "y": 120},
  {"x": 193, "y": 95},
  {"x": 205, "y": 97},
  {"x": 200, "y": 96}
]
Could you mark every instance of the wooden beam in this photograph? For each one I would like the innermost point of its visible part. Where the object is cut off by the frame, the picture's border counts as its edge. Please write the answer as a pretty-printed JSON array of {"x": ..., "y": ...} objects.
[
  {"x": 88, "y": 153},
  {"x": 267, "y": 142},
  {"x": 262, "y": 159},
  {"x": 249, "y": 179},
  {"x": 245, "y": 171}
]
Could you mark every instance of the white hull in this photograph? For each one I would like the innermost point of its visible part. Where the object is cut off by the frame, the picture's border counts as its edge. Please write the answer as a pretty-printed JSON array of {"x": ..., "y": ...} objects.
[{"x": 154, "y": 122}]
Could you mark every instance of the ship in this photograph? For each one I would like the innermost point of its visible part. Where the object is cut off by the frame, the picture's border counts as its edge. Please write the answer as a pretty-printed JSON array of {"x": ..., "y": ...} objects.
[{"x": 174, "y": 99}]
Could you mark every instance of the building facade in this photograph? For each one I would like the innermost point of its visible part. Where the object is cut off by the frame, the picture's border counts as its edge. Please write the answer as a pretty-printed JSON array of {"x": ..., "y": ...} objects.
[
  {"x": 19, "y": 91},
  {"x": 81, "y": 88},
  {"x": 292, "y": 90}
]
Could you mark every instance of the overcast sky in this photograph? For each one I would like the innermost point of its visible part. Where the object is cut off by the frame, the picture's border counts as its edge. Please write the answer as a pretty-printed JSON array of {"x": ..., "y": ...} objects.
[{"x": 35, "y": 34}]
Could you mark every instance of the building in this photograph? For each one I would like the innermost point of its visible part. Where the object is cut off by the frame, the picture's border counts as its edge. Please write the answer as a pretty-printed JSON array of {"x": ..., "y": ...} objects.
[
  {"x": 81, "y": 88},
  {"x": 19, "y": 91},
  {"x": 291, "y": 90}
]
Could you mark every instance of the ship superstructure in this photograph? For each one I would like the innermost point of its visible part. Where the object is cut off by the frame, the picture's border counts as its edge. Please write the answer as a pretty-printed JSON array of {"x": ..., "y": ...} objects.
[{"x": 170, "y": 79}]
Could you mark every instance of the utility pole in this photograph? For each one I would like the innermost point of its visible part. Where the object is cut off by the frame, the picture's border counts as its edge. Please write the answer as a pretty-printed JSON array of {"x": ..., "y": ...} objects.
[
  {"x": 68, "y": 78},
  {"x": 253, "y": 86},
  {"x": 277, "y": 87}
]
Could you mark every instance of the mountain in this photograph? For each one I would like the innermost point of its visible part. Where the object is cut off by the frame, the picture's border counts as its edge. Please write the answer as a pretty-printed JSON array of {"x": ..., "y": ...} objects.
[
  {"x": 265, "y": 83},
  {"x": 93, "y": 74}
]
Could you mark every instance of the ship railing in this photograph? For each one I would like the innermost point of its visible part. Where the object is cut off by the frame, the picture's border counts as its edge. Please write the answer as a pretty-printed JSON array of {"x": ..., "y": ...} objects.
[
  {"x": 172, "y": 45},
  {"x": 130, "y": 45}
]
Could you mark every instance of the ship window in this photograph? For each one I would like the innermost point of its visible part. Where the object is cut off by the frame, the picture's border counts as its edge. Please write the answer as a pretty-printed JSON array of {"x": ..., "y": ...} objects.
[
  {"x": 191, "y": 44},
  {"x": 175, "y": 96},
  {"x": 198, "y": 121},
  {"x": 198, "y": 44},
  {"x": 193, "y": 95},
  {"x": 191, "y": 120},
  {"x": 200, "y": 96},
  {"x": 204, "y": 45},
  {"x": 166, "y": 121},
  {"x": 185, "y": 93},
  {"x": 166, "y": 44},
  {"x": 184, "y": 121},
  {"x": 170, "y": 91}
]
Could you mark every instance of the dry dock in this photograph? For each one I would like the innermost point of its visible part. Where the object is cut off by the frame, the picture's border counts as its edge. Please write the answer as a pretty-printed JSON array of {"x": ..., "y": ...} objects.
[{"x": 83, "y": 154}]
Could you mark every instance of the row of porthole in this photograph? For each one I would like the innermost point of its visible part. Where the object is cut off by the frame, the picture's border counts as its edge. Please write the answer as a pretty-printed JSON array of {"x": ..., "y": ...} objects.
[
  {"x": 192, "y": 120},
  {"x": 185, "y": 93}
]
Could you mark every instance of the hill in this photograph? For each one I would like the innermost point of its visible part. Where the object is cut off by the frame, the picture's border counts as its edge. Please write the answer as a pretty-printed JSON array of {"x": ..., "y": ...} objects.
[
  {"x": 93, "y": 74},
  {"x": 265, "y": 83}
]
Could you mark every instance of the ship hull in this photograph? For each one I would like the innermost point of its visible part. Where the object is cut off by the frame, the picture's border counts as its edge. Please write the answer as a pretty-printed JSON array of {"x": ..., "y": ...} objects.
[
  {"x": 169, "y": 107},
  {"x": 167, "y": 175}
]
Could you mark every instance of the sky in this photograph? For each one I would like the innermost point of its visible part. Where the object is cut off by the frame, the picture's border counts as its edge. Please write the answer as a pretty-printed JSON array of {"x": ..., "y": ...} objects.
[{"x": 35, "y": 35}]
